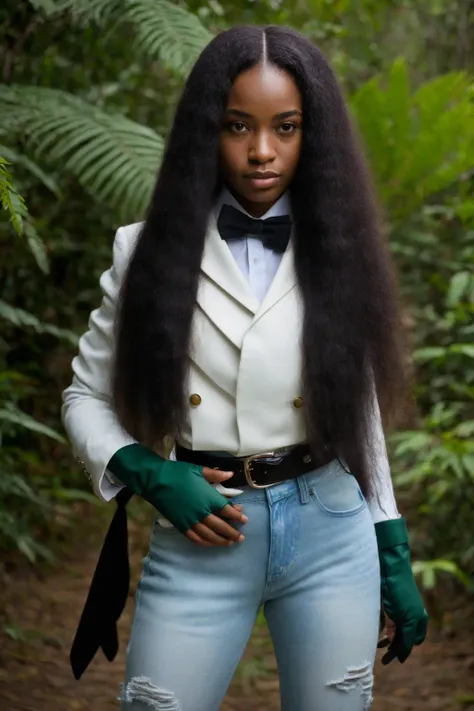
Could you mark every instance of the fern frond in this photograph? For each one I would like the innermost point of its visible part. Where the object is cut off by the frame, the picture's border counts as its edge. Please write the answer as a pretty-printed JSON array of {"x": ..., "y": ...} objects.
[
  {"x": 13, "y": 202},
  {"x": 167, "y": 32},
  {"x": 10, "y": 199},
  {"x": 114, "y": 158},
  {"x": 163, "y": 29}
]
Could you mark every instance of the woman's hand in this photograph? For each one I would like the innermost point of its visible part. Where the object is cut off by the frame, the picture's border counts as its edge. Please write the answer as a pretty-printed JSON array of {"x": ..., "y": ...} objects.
[
  {"x": 183, "y": 493},
  {"x": 213, "y": 530}
]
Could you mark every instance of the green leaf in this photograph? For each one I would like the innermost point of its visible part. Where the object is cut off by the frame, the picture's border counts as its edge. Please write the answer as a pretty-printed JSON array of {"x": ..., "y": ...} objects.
[
  {"x": 398, "y": 100},
  {"x": 10, "y": 413},
  {"x": 468, "y": 461},
  {"x": 23, "y": 319},
  {"x": 14, "y": 632},
  {"x": 413, "y": 441},
  {"x": 465, "y": 429},
  {"x": 431, "y": 353},
  {"x": 428, "y": 569},
  {"x": 37, "y": 246},
  {"x": 463, "y": 349},
  {"x": 458, "y": 286}
]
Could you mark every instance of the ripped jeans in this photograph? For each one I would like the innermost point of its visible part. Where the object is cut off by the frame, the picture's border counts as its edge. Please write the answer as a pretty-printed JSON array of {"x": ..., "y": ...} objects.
[{"x": 309, "y": 557}]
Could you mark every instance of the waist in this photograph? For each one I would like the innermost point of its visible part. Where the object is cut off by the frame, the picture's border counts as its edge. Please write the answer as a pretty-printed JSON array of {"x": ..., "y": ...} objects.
[{"x": 261, "y": 470}]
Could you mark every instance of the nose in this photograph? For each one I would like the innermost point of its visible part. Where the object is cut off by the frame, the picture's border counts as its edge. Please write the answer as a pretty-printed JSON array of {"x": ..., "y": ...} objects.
[{"x": 261, "y": 149}]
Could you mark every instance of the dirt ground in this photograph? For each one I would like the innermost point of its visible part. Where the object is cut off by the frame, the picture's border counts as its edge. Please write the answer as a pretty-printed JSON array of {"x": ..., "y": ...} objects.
[{"x": 39, "y": 610}]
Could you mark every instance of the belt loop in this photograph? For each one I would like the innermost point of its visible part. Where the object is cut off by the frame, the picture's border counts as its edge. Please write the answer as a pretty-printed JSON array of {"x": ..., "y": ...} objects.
[{"x": 303, "y": 488}]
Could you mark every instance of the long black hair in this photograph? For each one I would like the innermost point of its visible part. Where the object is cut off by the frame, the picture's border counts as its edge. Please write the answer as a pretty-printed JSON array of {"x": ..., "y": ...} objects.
[{"x": 352, "y": 338}]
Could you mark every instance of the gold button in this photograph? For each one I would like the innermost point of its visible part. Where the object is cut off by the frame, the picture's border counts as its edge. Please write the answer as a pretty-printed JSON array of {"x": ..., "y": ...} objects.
[
  {"x": 298, "y": 402},
  {"x": 195, "y": 399}
]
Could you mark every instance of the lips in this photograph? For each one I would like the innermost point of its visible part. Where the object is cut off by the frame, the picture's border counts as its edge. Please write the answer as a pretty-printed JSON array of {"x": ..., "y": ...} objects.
[
  {"x": 263, "y": 180},
  {"x": 259, "y": 175}
]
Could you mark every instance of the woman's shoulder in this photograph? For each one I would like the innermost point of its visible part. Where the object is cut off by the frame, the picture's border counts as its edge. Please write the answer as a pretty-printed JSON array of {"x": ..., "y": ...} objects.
[
  {"x": 127, "y": 235},
  {"x": 125, "y": 240}
]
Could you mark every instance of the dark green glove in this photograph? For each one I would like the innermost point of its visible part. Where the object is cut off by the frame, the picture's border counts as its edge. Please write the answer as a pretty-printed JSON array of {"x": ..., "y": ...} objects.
[
  {"x": 177, "y": 490},
  {"x": 400, "y": 596}
]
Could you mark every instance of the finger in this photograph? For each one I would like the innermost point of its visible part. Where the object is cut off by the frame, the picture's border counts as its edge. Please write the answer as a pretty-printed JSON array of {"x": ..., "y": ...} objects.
[
  {"x": 232, "y": 513},
  {"x": 389, "y": 657},
  {"x": 227, "y": 491},
  {"x": 401, "y": 645},
  {"x": 216, "y": 524},
  {"x": 393, "y": 649},
  {"x": 214, "y": 476},
  {"x": 197, "y": 539},
  {"x": 211, "y": 536},
  {"x": 390, "y": 631},
  {"x": 383, "y": 642}
]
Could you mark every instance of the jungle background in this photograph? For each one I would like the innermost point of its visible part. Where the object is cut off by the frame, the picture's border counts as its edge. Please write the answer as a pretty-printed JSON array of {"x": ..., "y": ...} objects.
[{"x": 87, "y": 92}]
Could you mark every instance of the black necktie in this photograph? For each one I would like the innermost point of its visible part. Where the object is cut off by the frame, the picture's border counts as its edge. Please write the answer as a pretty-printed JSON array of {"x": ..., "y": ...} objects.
[{"x": 274, "y": 231}]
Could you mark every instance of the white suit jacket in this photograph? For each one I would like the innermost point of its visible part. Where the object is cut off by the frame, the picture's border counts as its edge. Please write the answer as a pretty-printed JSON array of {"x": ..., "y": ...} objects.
[{"x": 244, "y": 383}]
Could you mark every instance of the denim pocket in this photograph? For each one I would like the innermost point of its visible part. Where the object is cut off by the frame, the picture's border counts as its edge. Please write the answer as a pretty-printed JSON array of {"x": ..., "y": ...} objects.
[{"x": 336, "y": 492}]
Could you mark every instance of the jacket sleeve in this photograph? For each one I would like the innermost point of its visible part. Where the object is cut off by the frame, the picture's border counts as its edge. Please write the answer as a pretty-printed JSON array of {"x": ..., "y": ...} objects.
[
  {"x": 87, "y": 413},
  {"x": 382, "y": 504}
]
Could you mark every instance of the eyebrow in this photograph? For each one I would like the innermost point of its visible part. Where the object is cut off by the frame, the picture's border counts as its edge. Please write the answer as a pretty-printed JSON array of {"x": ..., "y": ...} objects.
[{"x": 277, "y": 117}]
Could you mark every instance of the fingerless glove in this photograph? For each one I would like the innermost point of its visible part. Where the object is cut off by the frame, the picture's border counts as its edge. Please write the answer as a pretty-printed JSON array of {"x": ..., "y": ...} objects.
[{"x": 177, "y": 490}]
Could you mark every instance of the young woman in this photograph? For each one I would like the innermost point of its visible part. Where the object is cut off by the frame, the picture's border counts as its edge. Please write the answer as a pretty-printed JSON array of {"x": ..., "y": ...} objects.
[{"x": 252, "y": 318}]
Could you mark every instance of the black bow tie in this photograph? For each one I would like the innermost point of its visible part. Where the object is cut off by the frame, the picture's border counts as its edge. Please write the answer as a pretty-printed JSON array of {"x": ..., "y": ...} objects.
[{"x": 274, "y": 231}]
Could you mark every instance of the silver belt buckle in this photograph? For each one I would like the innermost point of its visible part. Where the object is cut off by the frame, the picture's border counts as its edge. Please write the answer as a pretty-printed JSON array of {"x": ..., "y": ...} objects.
[{"x": 248, "y": 469}]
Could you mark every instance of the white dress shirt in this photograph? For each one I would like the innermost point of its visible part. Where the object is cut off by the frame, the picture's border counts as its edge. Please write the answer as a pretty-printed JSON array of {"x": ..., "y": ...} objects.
[{"x": 257, "y": 263}]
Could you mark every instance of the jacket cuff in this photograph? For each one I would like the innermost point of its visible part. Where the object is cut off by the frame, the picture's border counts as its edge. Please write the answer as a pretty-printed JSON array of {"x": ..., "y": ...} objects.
[{"x": 391, "y": 533}]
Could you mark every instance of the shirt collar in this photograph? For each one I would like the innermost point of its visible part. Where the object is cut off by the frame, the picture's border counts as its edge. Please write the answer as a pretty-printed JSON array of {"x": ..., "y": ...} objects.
[{"x": 280, "y": 208}]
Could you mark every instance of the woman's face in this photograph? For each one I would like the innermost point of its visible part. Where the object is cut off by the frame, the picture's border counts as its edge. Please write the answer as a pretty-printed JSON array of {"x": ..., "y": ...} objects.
[{"x": 261, "y": 135}]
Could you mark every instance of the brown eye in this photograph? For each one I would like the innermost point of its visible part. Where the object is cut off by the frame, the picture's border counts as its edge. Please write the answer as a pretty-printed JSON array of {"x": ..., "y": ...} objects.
[
  {"x": 287, "y": 128},
  {"x": 237, "y": 127}
]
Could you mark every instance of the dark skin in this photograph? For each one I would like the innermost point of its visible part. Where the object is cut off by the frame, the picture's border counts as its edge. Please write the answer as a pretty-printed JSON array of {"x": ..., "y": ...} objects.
[{"x": 261, "y": 133}]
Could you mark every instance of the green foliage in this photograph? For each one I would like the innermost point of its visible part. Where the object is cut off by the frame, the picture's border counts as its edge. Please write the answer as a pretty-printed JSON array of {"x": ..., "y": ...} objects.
[
  {"x": 115, "y": 159},
  {"x": 163, "y": 30},
  {"x": 87, "y": 99},
  {"x": 422, "y": 142},
  {"x": 10, "y": 199},
  {"x": 421, "y": 147}
]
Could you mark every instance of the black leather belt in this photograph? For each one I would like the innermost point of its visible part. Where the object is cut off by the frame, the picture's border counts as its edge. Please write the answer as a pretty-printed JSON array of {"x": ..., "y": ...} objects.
[{"x": 260, "y": 471}]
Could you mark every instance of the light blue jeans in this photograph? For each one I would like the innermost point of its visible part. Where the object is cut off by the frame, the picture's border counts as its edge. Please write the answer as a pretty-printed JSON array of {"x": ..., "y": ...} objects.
[{"x": 309, "y": 557}]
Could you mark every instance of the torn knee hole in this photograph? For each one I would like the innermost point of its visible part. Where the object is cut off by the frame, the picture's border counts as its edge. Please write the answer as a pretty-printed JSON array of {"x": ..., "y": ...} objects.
[
  {"x": 141, "y": 689},
  {"x": 361, "y": 678}
]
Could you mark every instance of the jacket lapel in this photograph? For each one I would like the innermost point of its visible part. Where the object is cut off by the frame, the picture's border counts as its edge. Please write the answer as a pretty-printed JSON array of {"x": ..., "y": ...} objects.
[
  {"x": 220, "y": 266},
  {"x": 224, "y": 294}
]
